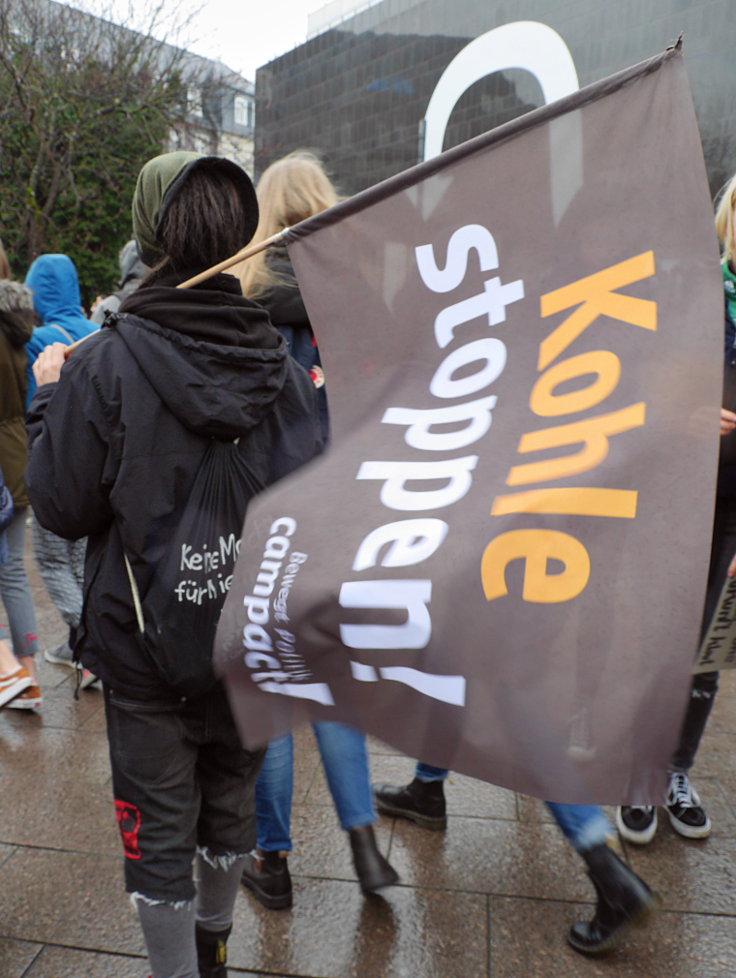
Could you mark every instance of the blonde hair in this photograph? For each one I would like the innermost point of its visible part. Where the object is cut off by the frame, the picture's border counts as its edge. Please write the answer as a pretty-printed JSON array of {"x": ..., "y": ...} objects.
[
  {"x": 4, "y": 263},
  {"x": 724, "y": 221},
  {"x": 290, "y": 190}
]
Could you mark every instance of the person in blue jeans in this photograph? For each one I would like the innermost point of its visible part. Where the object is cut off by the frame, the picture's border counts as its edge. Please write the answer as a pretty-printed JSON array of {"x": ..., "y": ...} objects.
[
  {"x": 345, "y": 761},
  {"x": 17, "y": 614},
  {"x": 290, "y": 190},
  {"x": 623, "y": 898}
]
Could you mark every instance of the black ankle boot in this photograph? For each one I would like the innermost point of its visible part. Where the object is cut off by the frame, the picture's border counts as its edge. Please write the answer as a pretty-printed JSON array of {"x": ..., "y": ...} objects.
[
  {"x": 421, "y": 801},
  {"x": 624, "y": 900},
  {"x": 374, "y": 870},
  {"x": 212, "y": 952},
  {"x": 267, "y": 875}
]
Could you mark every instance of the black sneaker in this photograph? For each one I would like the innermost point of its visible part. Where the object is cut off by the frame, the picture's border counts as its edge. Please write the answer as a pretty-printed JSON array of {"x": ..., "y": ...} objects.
[
  {"x": 636, "y": 823},
  {"x": 421, "y": 801},
  {"x": 266, "y": 875},
  {"x": 687, "y": 816}
]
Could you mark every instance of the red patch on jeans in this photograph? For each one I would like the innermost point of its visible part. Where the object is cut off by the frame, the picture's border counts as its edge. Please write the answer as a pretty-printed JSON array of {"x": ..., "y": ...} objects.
[{"x": 129, "y": 823}]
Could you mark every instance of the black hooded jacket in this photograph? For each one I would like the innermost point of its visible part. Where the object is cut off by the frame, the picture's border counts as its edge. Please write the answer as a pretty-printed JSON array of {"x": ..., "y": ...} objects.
[
  {"x": 117, "y": 442},
  {"x": 288, "y": 313}
]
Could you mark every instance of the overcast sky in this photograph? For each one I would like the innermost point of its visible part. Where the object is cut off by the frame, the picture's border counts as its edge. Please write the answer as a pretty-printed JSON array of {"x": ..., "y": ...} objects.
[{"x": 244, "y": 34}]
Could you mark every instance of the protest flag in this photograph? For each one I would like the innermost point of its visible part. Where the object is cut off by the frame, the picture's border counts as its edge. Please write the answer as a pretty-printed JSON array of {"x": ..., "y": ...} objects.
[{"x": 499, "y": 564}]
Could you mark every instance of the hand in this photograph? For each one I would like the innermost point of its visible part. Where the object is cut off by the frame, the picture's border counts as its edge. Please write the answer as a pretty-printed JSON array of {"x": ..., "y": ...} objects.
[
  {"x": 732, "y": 566},
  {"x": 48, "y": 364},
  {"x": 728, "y": 421}
]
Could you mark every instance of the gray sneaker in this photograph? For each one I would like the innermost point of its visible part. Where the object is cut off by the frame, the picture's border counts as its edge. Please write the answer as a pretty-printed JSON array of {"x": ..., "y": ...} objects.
[
  {"x": 62, "y": 655},
  {"x": 85, "y": 678}
]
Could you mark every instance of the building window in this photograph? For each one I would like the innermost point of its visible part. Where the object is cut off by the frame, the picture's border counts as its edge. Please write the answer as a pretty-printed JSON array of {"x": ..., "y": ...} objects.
[{"x": 243, "y": 111}]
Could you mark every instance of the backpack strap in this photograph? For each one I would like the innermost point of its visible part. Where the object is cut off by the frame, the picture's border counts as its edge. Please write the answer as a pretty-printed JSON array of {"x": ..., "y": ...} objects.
[
  {"x": 135, "y": 593},
  {"x": 61, "y": 329}
]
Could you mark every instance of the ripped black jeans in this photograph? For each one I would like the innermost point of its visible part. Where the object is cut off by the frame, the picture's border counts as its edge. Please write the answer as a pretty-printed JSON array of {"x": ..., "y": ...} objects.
[{"x": 181, "y": 780}]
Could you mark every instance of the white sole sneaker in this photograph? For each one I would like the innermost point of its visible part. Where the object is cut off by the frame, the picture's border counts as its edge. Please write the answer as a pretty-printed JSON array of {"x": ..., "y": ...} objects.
[
  {"x": 86, "y": 679},
  {"x": 60, "y": 659},
  {"x": 637, "y": 837},
  {"x": 683, "y": 800},
  {"x": 13, "y": 685},
  {"x": 29, "y": 699},
  {"x": 690, "y": 831}
]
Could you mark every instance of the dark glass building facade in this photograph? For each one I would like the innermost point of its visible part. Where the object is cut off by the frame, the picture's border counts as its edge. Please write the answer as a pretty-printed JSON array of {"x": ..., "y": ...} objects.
[{"x": 358, "y": 93}]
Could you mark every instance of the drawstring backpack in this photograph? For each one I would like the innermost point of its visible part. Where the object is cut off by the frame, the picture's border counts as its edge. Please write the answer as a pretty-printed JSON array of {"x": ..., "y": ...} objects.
[{"x": 177, "y": 617}]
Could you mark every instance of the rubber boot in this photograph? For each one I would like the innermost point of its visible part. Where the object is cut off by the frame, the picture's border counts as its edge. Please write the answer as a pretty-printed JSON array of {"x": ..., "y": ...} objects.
[
  {"x": 624, "y": 900},
  {"x": 421, "y": 801},
  {"x": 374, "y": 870},
  {"x": 266, "y": 875},
  {"x": 212, "y": 952}
]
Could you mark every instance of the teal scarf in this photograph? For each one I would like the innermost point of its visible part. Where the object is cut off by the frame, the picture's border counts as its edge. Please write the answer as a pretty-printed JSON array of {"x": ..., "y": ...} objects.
[{"x": 729, "y": 286}]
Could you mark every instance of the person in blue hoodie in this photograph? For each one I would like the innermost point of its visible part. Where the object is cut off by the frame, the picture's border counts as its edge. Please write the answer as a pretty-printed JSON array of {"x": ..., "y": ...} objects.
[{"x": 54, "y": 285}]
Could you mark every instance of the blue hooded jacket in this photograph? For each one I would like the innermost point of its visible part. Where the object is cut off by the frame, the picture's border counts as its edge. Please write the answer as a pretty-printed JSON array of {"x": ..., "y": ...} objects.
[{"x": 54, "y": 285}]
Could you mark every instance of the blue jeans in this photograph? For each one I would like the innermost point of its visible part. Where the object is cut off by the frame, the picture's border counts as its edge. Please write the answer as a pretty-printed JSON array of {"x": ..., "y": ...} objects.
[
  {"x": 345, "y": 762},
  {"x": 584, "y": 826},
  {"x": 60, "y": 563},
  {"x": 15, "y": 590}
]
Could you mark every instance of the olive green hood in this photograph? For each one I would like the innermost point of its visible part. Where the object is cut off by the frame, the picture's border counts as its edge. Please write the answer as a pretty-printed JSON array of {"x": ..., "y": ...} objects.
[{"x": 158, "y": 183}]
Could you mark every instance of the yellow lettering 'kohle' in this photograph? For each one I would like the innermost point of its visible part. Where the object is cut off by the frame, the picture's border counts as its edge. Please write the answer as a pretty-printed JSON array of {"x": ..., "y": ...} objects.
[{"x": 592, "y": 297}]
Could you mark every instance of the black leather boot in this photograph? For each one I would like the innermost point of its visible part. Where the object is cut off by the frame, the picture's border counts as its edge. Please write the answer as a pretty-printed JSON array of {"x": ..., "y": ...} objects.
[
  {"x": 421, "y": 801},
  {"x": 624, "y": 900},
  {"x": 374, "y": 870},
  {"x": 212, "y": 952},
  {"x": 267, "y": 875}
]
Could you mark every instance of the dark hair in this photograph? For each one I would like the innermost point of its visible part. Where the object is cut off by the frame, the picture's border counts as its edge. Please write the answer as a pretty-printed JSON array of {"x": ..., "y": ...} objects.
[{"x": 203, "y": 224}]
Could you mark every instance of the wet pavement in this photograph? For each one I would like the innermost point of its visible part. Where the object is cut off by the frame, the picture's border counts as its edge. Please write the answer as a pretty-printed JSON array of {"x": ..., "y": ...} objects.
[{"x": 491, "y": 897}]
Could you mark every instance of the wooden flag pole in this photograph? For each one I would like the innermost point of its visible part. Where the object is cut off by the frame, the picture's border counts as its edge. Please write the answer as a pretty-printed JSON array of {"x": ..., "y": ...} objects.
[{"x": 241, "y": 255}]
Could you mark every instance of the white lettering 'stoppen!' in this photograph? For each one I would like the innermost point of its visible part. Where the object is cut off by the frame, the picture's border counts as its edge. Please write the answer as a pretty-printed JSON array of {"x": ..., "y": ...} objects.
[{"x": 465, "y": 372}]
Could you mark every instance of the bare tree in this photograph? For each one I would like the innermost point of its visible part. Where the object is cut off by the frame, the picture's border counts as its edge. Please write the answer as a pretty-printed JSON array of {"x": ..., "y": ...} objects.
[{"x": 83, "y": 103}]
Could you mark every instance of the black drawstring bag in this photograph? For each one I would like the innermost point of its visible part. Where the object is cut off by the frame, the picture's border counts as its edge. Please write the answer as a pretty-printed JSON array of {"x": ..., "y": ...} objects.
[{"x": 177, "y": 617}]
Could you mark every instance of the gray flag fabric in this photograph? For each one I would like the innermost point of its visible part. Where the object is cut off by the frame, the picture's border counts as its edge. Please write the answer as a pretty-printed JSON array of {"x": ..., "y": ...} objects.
[{"x": 499, "y": 564}]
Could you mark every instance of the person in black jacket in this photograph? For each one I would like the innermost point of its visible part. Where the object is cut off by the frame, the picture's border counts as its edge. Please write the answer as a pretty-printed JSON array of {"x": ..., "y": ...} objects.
[
  {"x": 685, "y": 811},
  {"x": 290, "y": 190},
  {"x": 118, "y": 435},
  {"x": 132, "y": 273}
]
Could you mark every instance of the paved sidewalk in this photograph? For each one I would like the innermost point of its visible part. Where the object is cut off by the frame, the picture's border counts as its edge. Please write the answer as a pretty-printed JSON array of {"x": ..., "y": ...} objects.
[{"x": 491, "y": 897}]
